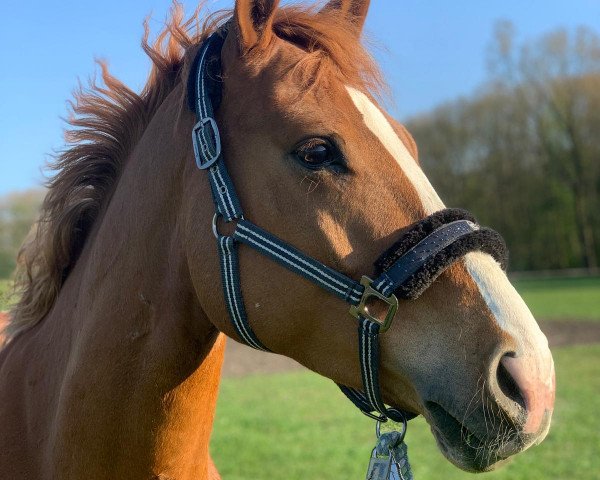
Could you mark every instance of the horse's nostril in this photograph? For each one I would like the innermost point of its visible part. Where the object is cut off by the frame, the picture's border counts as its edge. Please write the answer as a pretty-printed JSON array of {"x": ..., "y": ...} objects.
[
  {"x": 508, "y": 385},
  {"x": 528, "y": 381}
]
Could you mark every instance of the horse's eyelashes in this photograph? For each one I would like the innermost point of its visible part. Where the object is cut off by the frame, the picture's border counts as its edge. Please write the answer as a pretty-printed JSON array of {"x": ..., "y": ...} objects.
[
  {"x": 316, "y": 156},
  {"x": 318, "y": 153}
]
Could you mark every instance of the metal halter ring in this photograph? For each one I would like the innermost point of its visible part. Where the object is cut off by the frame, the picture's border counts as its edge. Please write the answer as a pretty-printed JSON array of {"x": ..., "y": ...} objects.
[
  {"x": 215, "y": 219},
  {"x": 402, "y": 434},
  {"x": 214, "y": 225}
]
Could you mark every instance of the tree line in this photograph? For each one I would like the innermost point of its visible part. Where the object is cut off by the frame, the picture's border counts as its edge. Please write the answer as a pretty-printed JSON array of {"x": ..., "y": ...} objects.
[
  {"x": 18, "y": 212},
  {"x": 523, "y": 154}
]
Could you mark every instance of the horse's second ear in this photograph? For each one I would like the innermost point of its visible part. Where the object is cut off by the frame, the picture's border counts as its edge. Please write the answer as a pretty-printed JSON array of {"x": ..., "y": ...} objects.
[
  {"x": 254, "y": 19},
  {"x": 354, "y": 10}
]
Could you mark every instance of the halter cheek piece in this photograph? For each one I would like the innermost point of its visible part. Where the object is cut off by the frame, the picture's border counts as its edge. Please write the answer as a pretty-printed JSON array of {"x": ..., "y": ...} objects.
[{"x": 405, "y": 270}]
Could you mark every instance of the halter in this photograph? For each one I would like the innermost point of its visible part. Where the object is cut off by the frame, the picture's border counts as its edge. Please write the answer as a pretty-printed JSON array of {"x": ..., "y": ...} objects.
[{"x": 405, "y": 270}]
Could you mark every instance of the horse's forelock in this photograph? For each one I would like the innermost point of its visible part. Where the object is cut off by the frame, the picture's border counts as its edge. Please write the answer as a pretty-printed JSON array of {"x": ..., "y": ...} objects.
[{"x": 333, "y": 45}]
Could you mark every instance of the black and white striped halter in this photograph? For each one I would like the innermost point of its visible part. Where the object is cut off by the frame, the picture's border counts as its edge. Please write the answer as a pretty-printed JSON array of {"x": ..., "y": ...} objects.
[{"x": 426, "y": 249}]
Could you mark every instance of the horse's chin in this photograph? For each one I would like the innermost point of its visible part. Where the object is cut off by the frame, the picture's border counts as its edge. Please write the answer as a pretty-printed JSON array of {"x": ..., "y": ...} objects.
[
  {"x": 466, "y": 457},
  {"x": 465, "y": 450}
]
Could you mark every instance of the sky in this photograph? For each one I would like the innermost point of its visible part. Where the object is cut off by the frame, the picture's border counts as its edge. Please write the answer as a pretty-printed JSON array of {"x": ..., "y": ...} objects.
[{"x": 431, "y": 51}]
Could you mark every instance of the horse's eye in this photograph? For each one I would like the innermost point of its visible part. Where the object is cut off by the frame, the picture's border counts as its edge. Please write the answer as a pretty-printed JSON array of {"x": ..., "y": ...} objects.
[{"x": 316, "y": 153}]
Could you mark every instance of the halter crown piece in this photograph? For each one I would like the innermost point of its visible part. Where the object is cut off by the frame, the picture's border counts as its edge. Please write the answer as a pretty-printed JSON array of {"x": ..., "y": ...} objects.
[{"x": 405, "y": 270}]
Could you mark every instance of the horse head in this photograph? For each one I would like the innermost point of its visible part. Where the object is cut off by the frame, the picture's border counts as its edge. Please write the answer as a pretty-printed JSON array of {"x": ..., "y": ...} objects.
[{"x": 318, "y": 162}]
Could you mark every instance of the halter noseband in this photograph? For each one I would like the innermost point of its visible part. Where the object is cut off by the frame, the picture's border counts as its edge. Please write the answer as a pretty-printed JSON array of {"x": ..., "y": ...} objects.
[{"x": 406, "y": 270}]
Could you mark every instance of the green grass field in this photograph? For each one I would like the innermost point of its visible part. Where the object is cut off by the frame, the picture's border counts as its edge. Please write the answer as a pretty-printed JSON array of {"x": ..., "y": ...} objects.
[
  {"x": 299, "y": 426},
  {"x": 562, "y": 298},
  {"x": 5, "y": 288}
]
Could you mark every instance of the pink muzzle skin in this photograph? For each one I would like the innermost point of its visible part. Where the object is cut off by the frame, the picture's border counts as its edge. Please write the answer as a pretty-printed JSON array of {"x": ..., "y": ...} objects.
[{"x": 536, "y": 383}]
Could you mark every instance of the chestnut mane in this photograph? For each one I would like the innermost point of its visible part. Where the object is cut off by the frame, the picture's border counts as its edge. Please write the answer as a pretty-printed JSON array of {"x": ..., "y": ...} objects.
[{"x": 108, "y": 120}]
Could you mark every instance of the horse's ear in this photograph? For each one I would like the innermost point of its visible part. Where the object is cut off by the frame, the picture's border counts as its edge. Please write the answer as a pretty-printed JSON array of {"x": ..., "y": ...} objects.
[
  {"x": 254, "y": 19},
  {"x": 354, "y": 10}
]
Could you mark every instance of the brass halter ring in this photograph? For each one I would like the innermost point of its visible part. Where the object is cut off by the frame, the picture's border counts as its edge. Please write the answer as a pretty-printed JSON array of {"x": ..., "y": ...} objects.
[{"x": 362, "y": 309}]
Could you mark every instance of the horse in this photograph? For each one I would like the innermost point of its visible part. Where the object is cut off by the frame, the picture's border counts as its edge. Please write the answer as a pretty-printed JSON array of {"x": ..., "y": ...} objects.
[{"x": 111, "y": 363}]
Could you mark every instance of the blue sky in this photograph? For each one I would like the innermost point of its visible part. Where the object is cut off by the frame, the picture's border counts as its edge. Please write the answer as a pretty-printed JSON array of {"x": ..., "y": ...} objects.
[{"x": 430, "y": 50}]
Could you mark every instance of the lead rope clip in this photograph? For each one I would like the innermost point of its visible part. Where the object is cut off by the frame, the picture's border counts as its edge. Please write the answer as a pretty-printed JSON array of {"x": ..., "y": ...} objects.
[{"x": 389, "y": 458}]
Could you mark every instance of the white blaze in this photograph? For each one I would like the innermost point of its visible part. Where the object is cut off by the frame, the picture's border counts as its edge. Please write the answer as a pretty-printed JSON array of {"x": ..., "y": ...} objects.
[
  {"x": 511, "y": 313},
  {"x": 507, "y": 306},
  {"x": 376, "y": 122}
]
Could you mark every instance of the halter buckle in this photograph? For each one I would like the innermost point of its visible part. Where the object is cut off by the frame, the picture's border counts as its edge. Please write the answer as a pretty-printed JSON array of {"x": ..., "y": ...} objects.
[
  {"x": 207, "y": 142},
  {"x": 362, "y": 309}
]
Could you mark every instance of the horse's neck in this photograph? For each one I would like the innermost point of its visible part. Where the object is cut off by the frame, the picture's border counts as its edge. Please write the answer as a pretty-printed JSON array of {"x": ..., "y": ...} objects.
[{"x": 144, "y": 363}]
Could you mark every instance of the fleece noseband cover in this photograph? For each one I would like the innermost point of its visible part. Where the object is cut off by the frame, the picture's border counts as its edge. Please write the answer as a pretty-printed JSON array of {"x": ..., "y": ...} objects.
[{"x": 429, "y": 267}]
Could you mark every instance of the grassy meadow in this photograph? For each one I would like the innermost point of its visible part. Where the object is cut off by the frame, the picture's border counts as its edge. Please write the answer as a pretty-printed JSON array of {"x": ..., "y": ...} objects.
[
  {"x": 299, "y": 426},
  {"x": 562, "y": 298},
  {"x": 5, "y": 289}
]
